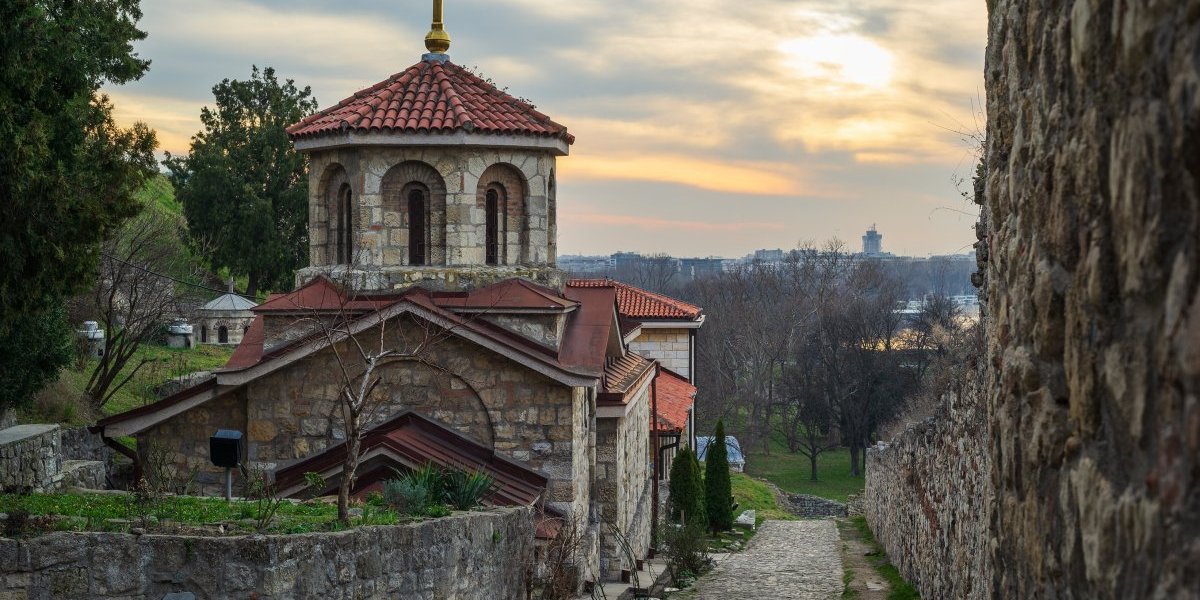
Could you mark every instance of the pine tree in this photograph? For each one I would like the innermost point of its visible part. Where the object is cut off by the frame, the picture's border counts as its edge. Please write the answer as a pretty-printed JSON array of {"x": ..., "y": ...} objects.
[
  {"x": 717, "y": 491},
  {"x": 687, "y": 489}
]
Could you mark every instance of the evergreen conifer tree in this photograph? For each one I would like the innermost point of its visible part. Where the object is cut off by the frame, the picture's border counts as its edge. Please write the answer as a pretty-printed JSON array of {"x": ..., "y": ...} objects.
[
  {"x": 717, "y": 490},
  {"x": 687, "y": 489}
]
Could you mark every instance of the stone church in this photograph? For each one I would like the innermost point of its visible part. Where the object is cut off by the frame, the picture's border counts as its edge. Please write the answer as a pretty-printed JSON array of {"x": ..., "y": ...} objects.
[{"x": 432, "y": 208}]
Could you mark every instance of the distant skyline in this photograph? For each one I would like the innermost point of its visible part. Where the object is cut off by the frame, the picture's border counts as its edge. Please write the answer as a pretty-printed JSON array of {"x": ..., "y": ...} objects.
[{"x": 704, "y": 128}]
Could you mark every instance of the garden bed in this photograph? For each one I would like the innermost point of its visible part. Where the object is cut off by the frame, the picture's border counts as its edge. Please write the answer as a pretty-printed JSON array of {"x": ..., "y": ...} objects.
[{"x": 37, "y": 514}]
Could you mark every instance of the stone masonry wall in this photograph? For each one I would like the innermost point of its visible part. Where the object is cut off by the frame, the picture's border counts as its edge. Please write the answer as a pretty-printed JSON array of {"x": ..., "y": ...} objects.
[
  {"x": 466, "y": 556},
  {"x": 928, "y": 499},
  {"x": 29, "y": 458},
  {"x": 624, "y": 478},
  {"x": 670, "y": 347},
  {"x": 1093, "y": 295}
]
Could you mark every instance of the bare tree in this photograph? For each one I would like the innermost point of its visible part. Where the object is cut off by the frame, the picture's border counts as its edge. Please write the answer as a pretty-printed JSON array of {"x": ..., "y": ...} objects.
[
  {"x": 655, "y": 272},
  {"x": 137, "y": 293}
]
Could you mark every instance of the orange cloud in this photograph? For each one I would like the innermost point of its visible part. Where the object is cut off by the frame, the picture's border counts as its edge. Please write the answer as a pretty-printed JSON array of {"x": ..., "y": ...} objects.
[
  {"x": 651, "y": 223},
  {"x": 720, "y": 176}
]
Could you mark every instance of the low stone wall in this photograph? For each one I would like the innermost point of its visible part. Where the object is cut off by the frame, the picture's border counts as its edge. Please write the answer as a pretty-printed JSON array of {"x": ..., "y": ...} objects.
[
  {"x": 815, "y": 507},
  {"x": 469, "y": 556},
  {"x": 928, "y": 500},
  {"x": 29, "y": 458},
  {"x": 80, "y": 444}
]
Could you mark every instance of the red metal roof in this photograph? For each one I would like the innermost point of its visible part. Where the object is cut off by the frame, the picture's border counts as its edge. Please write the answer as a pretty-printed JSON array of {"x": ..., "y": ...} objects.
[
  {"x": 510, "y": 294},
  {"x": 431, "y": 97},
  {"x": 675, "y": 396},
  {"x": 413, "y": 440},
  {"x": 636, "y": 303}
]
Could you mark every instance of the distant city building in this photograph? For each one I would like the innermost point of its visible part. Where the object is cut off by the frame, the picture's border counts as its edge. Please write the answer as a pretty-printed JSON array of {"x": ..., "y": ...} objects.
[
  {"x": 768, "y": 256},
  {"x": 693, "y": 268},
  {"x": 872, "y": 242}
]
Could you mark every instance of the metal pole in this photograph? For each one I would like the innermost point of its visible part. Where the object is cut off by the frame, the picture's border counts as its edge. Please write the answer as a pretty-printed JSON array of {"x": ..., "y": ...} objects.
[{"x": 228, "y": 484}]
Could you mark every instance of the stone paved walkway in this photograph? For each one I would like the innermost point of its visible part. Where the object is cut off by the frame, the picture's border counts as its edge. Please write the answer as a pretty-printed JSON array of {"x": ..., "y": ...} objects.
[{"x": 786, "y": 560}]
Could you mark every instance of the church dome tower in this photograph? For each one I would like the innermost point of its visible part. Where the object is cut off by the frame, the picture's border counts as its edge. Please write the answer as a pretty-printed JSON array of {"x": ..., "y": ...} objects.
[{"x": 433, "y": 176}]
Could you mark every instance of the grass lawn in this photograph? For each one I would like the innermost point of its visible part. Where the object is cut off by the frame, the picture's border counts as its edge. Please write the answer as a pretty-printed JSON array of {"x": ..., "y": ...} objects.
[
  {"x": 791, "y": 472},
  {"x": 754, "y": 495},
  {"x": 62, "y": 401},
  {"x": 119, "y": 512}
]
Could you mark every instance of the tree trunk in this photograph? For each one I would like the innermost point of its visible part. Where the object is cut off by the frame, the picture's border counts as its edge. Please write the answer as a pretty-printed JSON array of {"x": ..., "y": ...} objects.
[
  {"x": 855, "y": 446},
  {"x": 252, "y": 285},
  {"x": 812, "y": 459},
  {"x": 348, "y": 468}
]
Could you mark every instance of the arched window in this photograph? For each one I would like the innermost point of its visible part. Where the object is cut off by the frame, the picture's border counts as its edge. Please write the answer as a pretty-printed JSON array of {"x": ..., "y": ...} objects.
[
  {"x": 417, "y": 249},
  {"x": 222, "y": 335},
  {"x": 345, "y": 227},
  {"x": 492, "y": 230},
  {"x": 203, "y": 334}
]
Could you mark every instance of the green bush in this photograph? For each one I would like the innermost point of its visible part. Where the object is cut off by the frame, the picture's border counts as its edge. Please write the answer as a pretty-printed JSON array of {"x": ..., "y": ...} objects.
[
  {"x": 717, "y": 490},
  {"x": 464, "y": 490},
  {"x": 687, "y": 489},
  {"x": 686, "y": 551},
  {"x": 407, "y": 495}
]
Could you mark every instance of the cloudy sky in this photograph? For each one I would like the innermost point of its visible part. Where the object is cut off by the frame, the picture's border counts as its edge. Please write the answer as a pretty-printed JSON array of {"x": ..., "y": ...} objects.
[{"x": 705, "y": 127}]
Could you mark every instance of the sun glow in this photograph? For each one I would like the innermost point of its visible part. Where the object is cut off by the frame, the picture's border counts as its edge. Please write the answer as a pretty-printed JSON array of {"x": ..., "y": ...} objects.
[{"x": 839, "y": 59}]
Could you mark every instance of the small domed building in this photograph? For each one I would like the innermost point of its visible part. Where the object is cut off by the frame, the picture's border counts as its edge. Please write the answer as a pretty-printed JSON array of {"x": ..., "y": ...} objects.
[{"x": 225, "y": 320}]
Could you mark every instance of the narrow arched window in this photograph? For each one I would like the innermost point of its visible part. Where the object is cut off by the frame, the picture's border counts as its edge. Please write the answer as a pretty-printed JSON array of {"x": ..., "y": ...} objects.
[
  {"x": 345, "y": 226},
  {"x": 203, "y": 334},
  {"x": 417, "y": 250},
  {"x": 492, "y": 233},
  {"x": 222, "y": 335}
]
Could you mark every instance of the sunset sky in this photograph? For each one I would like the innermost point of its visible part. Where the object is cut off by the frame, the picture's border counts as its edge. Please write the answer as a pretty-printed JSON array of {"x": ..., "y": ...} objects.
[{"x": 704, "y": 127}]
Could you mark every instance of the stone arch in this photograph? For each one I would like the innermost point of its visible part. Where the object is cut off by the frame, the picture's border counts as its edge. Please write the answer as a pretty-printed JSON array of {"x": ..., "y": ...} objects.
[
  {"x": 327, "y": 229},
  {"x": 437, "y": 394},
  {"x": 512, "y": 188},
  {"x": 398, "y": 184}
]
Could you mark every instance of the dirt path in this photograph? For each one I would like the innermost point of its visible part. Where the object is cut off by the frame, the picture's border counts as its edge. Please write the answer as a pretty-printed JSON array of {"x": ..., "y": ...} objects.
[{"x": 862, "y": 580}]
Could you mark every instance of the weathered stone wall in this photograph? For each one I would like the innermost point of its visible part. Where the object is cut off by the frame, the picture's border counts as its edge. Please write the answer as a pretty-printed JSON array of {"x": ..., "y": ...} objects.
[
  {"x": 1093, "y": 292},
  {"x": 670, "y": 347},
  {"x": 77, "y": 443},
  {"x": 30, "y": 459},
  {"x": 815, "y": 506},
  {"x": 623, "y": 480},
  {"x": 928, "y": 498},
  {"x": 465, "y": 556}
]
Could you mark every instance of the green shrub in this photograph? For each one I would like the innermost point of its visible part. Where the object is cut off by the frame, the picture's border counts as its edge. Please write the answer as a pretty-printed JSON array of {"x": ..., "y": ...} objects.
[
  {"x": 717, "y": 491},
  {"x": 431, "y": 478},
  {"x": 687, "y": 489},
  {"x": 686, "y": 551},
  {"x": 464, "y": 490},
  {"x": 406, "y": 495}
]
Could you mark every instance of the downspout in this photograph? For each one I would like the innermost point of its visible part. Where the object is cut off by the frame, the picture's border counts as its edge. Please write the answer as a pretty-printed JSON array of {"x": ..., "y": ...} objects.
[{"x": 121, "y": 449}]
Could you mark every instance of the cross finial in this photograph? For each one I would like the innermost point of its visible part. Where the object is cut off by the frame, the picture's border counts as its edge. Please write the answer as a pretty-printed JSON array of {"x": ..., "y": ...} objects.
[
  {"x": 437, "y": 41},
  {"x": 230, "y": 284}
]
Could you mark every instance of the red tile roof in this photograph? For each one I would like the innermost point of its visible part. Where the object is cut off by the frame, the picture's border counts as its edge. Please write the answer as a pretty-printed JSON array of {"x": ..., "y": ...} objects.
[
  {"x": 431, "y": 97},
  {"x": 674, "y": 396},
  {"x": 636, "y": 303}
]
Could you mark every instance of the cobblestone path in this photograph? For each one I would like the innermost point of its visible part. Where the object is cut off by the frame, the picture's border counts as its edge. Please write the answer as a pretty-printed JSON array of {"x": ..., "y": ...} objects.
[{"x": 786, "y": 560}]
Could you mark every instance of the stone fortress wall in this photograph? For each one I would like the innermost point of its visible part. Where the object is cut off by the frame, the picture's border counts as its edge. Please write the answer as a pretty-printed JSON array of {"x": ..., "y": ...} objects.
[
  {"x": 928, "y": 499},
  {"x": 1091, "y": 230},
  {"x": 469, "y": 556}
]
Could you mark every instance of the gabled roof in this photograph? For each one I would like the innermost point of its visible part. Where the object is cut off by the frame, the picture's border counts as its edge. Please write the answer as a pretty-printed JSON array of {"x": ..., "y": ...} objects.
[
  {"x": 636, "y": 303},
  {"x": 431, "y": 97},
  {"x": 414, "y": 440},
  {"x": 675, "y": 396},
  {"x": 510, "y": 295},
  {"x": 590, "y": 336}
]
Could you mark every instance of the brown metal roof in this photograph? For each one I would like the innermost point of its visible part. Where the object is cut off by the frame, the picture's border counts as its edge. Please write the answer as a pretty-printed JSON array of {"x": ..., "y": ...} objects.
[
  {"x": 623, "y": 376},
  {"x": 413, "y": 440}
]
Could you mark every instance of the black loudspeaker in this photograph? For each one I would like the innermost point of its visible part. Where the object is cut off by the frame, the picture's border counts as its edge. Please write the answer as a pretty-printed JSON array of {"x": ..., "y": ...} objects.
[{"x": 225, "y": 448}]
